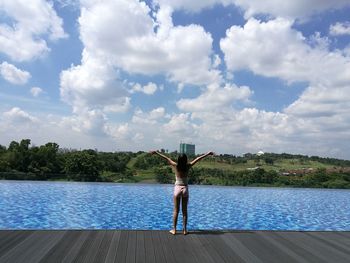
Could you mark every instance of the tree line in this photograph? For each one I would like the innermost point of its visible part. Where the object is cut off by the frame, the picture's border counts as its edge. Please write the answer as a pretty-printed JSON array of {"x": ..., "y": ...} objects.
[
  {"x": 23, "y": 161},
  {"x": 259, "y": 177},
  {"x": 48, "y": 162}
]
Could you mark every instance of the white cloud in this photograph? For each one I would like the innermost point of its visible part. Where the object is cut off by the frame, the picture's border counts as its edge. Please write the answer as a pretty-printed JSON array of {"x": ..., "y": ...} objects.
[
  {"x": 151, "y": 117},
  {"x": 274, "y": 49},
  {"x": 120, "y": 105},
  {"x": 14, "y": 75},
  {"x": 119, "y": 131},
  {"x": 148, "y": 89},
  {"x": 289, "y": 9},
  {"x": 215, "y": 97},
  {"x": 180, "y": 126},
  {"x": 90, "y": 122},
  {"x": 322, "y": 101},
  {"x": 340, "y": 29},
  {"x": 93, "y": 84},
  {"x": 36, "y": 91},
  {"x": 23, "y": 39},
  {"x": 124, "y": 33},
  {"x": 18, "y": 117},
  {"x": 123, "y": 36}
]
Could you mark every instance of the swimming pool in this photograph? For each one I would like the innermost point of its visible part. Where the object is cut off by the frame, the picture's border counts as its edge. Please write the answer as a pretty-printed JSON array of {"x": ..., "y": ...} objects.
[{"x": 75, "y": 205}]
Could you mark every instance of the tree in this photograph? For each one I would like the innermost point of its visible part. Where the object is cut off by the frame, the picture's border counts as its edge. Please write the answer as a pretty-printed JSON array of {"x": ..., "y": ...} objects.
[
  {"x": 164, "y": 175},
  {"x": 45, "y": 162},
  {"x": 82, "y": 166},
  {"x": 269, "y": 160}
]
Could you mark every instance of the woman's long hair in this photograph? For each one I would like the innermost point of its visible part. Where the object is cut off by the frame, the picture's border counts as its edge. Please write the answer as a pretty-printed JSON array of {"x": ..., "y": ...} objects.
[{"x": 182, "y": 165}]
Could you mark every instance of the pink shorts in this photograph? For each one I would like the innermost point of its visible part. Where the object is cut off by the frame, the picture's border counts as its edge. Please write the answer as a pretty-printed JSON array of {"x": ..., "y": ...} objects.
[{"x": 181, "y": 190}]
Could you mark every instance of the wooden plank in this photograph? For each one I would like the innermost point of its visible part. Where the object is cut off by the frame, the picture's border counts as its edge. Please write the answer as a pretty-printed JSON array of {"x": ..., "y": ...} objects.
[
  {"x": 333, "y": 241},
  {"x": 6, "y": 235},
  {"x": 95, "y": 245},
  {"x": 83, "y": 252},
  {"x": 73, "y": 252},
  {"x": 158, "y": 247},
  {"x": 266, "y": 251},
  {"x": 221, "y": 246},
  {"x": 149, "y": 249},
  {"x": 200, "y": 252},
  {"x": 104, "y": 247},
  {"x": 12, "y": 240},
  {"x": 301, "y": 251},
  {"x": 59, "y": 251},
  {"x": 181, "y": 254},
  {"x": 113, "y": 247},
  {"x": 140, "y": 246},
  {"x": 33, "y": 248},
  {"x": 131, "y": 248},
  {"x": 317, "y": 248},
  {"x": 344, "y": 233},
  {"x": 188, "y": 245},
  {"x": 122, "y": 247},
  {"x": 269, "y": 237},
  {"x": 208, "y": 246},
  {"x": 167, "y": 250},
  {"x": 240, "y": 249}
]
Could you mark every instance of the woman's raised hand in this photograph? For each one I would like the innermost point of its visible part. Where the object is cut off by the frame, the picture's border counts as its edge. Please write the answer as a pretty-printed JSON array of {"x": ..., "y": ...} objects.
[
  {"x": 210, "y": 153},
  {"x": 152, "y": 152}
]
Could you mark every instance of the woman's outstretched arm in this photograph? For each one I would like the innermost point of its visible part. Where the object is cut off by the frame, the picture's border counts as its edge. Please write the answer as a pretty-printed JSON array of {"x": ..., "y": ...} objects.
[
  {"x": 171, "y": 162},
  {"x": 200, "y": 158}
]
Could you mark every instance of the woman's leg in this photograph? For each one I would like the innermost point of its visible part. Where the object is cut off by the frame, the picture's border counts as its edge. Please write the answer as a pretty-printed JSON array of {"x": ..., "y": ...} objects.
[
  {"x": 184, "y": 213},
  {"x": 176, "y": 213}
]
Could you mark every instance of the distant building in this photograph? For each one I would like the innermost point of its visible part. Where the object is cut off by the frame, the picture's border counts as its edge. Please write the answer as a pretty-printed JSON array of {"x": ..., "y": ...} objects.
[{"x": 188, "y": 149}]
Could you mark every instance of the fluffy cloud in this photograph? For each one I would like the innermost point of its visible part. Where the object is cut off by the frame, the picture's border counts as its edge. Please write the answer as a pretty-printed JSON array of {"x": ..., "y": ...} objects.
[
  {"x": 289, "y": 8},
  {"x": 22, "y": 39},
  {"x": 148, "y": 89},
  {"x": 215, "y": 97},
  {"x": 124, "y": 33},
  {"x": 36, "y": 91},
  {"x": 18, "y": 117},
  {"x": 14, "y": 75},
  {"x": 91, "y": 122},
  {"x": 94, "y": 85},
  {"x": 180, "y": 126},
  {"x": 340, "y": 29},
  {"x": 274, "y": 49},
  {"x": 123, "y": 36},
  {"x": 151, "y": 117},
  {"x": 322, "y": 101}
]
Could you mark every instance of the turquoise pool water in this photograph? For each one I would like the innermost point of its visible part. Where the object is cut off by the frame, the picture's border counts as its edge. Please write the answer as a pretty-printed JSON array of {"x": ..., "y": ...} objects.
[{"x": 74, "y": 205}]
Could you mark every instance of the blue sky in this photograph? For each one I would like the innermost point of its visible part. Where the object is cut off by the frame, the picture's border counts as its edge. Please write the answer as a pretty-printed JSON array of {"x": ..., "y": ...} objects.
[{"x": 232, "y": 76}]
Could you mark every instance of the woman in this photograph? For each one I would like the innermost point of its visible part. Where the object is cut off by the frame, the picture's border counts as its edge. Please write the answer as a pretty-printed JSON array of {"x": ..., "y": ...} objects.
[{"x": 181, "y": 169}]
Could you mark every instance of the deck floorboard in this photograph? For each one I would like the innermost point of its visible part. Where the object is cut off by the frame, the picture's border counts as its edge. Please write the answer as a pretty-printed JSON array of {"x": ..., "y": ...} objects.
[{"x": 107, "y": 246}]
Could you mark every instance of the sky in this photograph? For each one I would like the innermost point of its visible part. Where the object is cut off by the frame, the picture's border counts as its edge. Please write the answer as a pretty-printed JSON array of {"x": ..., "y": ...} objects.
[{"x": 230, "y": 76}]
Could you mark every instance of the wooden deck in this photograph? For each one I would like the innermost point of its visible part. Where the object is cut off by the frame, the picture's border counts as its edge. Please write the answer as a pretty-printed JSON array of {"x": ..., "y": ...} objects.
[{"x": 159, "y": 246}]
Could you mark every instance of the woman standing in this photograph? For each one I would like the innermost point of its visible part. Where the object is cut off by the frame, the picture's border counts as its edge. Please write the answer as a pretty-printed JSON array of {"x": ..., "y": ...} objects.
[{"x": 181, "y": 193}]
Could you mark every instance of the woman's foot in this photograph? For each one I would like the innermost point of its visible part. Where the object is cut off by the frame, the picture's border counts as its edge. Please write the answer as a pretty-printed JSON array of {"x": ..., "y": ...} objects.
[
  {"x": 185, "y": 232},
  {"x": 173, "y": 231}
]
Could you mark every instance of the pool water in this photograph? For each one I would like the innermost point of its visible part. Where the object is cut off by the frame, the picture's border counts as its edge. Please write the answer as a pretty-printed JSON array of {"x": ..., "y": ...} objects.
[{"x": 75, "y": 205}]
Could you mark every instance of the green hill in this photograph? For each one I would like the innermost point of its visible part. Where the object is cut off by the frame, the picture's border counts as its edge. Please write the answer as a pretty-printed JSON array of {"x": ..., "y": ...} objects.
[{"x": 268, "y": 170}]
